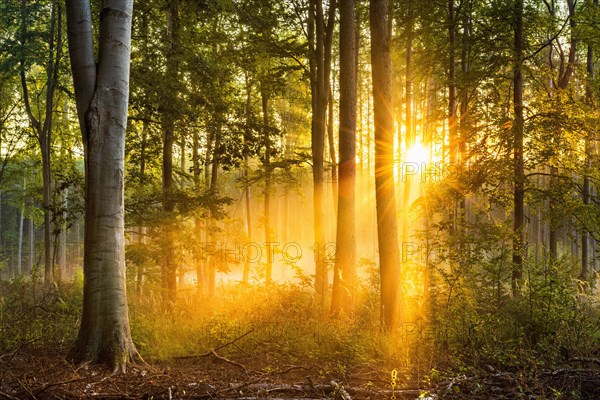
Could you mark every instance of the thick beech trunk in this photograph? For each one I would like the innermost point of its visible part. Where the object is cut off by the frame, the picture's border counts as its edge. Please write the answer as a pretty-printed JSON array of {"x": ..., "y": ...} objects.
[{"x": 101, "y": 93}]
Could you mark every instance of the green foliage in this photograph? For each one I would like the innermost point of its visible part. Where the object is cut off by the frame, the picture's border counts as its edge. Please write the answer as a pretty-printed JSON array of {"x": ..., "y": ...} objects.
[{"x": 32, "y": 314}]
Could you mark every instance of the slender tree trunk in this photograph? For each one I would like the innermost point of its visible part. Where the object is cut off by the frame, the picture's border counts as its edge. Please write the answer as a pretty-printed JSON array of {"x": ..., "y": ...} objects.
[
  {"x": 387, "y": 229},
  {"x": 565, "y": 74},
  {"x": 344, "y": 277},
  {"x": 214, "y": 175},
  {"x": 247, "y": 194},
  {"x": 452, "y": 125},
  {"x": 268, "y": 237},
  {"x": 409, "y": 138},
  {"x": 31, "y": 245},
  {"x": 139, "y": 282},
  {"x": 319, "y": 103},
  {"x": 198, "y": 263},
  {"x": 585, "y": 252},
  {"x": 518, "y": 163},
  {"x": 331, "y": 140},
  {"x": 409, "y": 76},
  {"x": 62, "y": 240},
  {"x": 169, "y": 116},
  {"x": 249, "y": 255},
  {"x": 43, "y": 129},
  {"x": 464, "y": 127},
  {"x": 101, "y": 94},
  {"x": 320, "y": 35},
  {"x": 20, "y": 249}
]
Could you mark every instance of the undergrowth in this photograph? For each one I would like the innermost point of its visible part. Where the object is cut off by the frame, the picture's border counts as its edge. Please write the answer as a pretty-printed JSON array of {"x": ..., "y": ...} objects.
[{"x": 284, "y": 325}]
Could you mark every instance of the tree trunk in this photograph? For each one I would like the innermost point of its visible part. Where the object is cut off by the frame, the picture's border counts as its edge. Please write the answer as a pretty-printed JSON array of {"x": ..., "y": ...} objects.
[
  {"x": 565, "y": 74},
  {"x": 320, "y": 39},
  {"x": 585, "y": 252},
  {"x": 331, "y": 142},
  {"x": 139, "y": 282},
  {"x": 20, "y": 244},
  {"x": 452, "y": 125},
  {"x": 169, "y": 115},
  {"x": 43, "y": 129},
  {"x": 249, "y": 255},
  {"x": 214, "y": 174},
  {"x": 102, "y": 95},
  {"x": 198, "y": 263},
  {"x": 518, "y": 163},
  {"x": 409, "y": 76},
  {"x": 247, "y": 195},
  {"x": 387, "y": 228},
  {"x": 265, "y": 112},
  {"x": 62, "y": 240},
  {"x": 31, "y": 245},
  {"x": 344, "y": 277}
]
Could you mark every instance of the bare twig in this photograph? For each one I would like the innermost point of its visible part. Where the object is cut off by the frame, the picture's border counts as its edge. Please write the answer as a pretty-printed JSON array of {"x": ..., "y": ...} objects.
[
  {"x": 26, "y": 389},
  {"x": 13, "y": 353},
  {"x": 49, "y": 385},
  {"x": 227, "y": 360},
  {"x": 8, "y": 396}
]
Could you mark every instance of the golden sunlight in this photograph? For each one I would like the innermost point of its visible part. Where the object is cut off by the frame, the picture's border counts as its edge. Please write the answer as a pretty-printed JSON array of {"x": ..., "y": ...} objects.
[{"x": 417, "y": 153}]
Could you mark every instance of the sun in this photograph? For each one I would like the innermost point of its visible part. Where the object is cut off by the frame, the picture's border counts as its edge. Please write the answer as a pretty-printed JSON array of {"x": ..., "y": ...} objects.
[{"x": 417, "y": 153}]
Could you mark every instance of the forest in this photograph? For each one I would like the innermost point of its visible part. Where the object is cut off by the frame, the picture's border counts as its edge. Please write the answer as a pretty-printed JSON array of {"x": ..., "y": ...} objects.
[{"x": 299, "y": 199}]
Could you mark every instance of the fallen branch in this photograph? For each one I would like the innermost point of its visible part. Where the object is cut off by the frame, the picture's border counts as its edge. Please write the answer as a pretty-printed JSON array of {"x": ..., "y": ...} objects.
[
  {"x": 323, "y": 389},
  {"x": 212, "y": 352},
  {"x": 339, "y": 389},
  {"x": 13, "y": 353},
  {"x": 227, "y": 360},
  {"x": 8, "y": 396}
]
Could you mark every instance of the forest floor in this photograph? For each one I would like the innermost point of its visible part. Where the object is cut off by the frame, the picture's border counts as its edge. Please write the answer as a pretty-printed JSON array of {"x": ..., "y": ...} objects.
[{"x": 34, "y": 373}]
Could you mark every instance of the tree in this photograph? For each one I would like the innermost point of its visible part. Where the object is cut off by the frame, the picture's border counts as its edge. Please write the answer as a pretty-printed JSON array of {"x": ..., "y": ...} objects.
[
  {"x": 345, "y": 266},
  {"x": 101, "y": 94},
  {"x": 387, "y": 226},
  {"x": 320, "y": 36},
  {"x": 518, "y": 161},
  {"x": 168, "y": 109},
  {"x": 43, "y": 128}
]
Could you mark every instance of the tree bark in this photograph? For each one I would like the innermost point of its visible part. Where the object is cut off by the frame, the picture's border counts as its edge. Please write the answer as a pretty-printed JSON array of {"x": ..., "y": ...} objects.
[
  {"x": 331, "y": 142},
  {"x": 518, "y": 162},
  {"x": 320, "y": 36},
  {"x": 169, "y": 116},
  {"x": 31, "y": 245},
  {"x": 585, "y": 252},
  {"x": 387, "y": 227},
  {"x": 344, "y": 277},
  {"x": 452, "y": 125},
  {"x": 102, "y": 99},
  {"x": 268, "y": 236},
  {"x": 214, "y": 175},
  {"x": 247, "y": 194},
  {"x": 20, "y": 243}
]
